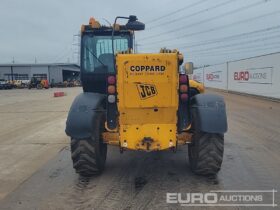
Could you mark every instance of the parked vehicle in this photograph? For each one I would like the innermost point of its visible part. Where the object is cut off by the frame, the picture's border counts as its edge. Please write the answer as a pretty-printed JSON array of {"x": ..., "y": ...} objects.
[
  {"x": 4, "y": 84},
  {"x": 38, "y": 83}
]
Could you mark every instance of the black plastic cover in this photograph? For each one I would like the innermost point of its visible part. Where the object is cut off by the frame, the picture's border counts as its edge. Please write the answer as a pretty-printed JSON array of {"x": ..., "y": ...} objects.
[
  {"x": 210, "y": 111},
  {"x": 81, "y": 116}
]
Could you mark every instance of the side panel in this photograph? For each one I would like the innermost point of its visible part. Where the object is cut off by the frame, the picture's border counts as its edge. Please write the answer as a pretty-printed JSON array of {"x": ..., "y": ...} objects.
[
  {"x": 82, "y": 113},
  {"x": 210, "y": 112}
]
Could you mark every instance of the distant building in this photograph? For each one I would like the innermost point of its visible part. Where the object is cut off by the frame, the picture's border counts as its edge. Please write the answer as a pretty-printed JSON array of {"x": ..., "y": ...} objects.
[{"x": 52, "y": 72}]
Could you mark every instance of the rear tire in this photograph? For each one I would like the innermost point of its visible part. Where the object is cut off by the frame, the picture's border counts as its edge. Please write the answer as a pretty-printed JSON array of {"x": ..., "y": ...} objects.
[
  {"x": 206, "y": 150},
  {"x": 206, "y": 153},
  {"x": 89, "y": 155}
]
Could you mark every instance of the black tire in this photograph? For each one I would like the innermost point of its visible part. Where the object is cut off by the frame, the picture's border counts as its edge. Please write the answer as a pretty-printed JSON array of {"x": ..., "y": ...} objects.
[
  {"x": 89, "y": 155},
  {"x": 205, "y": 152}
]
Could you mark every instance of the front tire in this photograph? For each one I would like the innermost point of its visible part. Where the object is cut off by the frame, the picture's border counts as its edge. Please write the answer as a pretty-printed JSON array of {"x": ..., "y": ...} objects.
[
  {"x": 206, "y": 153},
  {"x": 89, "y": 155}
]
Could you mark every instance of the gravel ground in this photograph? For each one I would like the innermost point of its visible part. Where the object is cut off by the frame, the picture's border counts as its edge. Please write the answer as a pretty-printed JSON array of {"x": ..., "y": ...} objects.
[{"x": 36, "y": 169}]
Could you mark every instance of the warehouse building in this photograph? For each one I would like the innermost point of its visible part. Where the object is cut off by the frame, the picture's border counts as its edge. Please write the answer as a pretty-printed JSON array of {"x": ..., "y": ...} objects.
[{"x": 54, "y": 73}]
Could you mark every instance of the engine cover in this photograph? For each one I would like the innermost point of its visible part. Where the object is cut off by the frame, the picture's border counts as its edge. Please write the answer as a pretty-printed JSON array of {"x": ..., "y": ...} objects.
[{"x": 147, "y": 87}]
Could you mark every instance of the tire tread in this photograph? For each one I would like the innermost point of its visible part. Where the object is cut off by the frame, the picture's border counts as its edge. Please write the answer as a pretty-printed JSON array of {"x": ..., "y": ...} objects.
[{"x": 209, "y": 153}]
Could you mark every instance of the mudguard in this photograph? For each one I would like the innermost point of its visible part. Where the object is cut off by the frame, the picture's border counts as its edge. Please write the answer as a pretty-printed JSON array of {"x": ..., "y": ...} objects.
[
  {"x": 210, "y": 111},
  {"x": 82, "y": 114}
]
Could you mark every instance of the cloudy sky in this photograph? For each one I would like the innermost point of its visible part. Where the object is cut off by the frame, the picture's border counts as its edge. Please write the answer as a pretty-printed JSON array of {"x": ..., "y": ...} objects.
[{"x": 206, "y": 31}]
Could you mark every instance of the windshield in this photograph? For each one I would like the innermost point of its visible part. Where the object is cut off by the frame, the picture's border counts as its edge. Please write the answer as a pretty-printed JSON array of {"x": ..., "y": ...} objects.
[{"x": 97, "y": 52}]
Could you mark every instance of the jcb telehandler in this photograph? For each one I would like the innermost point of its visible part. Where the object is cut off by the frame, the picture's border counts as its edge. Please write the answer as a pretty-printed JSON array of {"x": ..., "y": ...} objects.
[
  {"x": 140, "y": 102},
  {"x": 38, "y": 83}
]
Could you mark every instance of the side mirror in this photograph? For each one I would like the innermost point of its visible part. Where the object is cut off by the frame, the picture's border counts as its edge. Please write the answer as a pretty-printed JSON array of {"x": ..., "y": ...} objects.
[
  {"x": 134, "y": 25},
  {"x": 188, "y": 67}
]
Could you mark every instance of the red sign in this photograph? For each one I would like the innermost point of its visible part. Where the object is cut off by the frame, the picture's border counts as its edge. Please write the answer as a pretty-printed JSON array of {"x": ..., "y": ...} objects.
[
  {"x": 214, "y": 76},
  {"x": 241, "y": 76},
  {"x": 254, "y": 75}
]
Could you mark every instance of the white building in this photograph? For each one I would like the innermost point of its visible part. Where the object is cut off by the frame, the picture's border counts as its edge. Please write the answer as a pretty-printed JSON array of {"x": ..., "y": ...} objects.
[{"x": 52, "y": 72}]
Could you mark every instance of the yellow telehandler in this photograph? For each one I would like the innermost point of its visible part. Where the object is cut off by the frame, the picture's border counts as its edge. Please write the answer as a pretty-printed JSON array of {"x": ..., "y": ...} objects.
[{"x": 140, "y": 102}]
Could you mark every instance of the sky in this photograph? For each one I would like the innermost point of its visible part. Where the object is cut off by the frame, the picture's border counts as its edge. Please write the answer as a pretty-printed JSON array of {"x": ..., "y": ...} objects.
[{"x": 206, "y": 31}]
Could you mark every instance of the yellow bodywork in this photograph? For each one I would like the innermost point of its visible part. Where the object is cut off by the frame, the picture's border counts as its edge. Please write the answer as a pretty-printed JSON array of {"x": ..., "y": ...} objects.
[
  {"x": 147, "y": 102},
  {"x": 197, "y": 85},
  {"x": 147, "y": 86}
]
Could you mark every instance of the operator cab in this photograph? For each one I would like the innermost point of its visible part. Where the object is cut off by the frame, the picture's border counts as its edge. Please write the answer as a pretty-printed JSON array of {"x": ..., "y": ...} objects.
[
  {"x": 97, "y": 60},
  {"x": 97, "y": 52}
]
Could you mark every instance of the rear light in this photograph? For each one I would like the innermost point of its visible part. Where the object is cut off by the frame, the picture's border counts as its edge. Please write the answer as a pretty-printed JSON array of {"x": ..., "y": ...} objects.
[
  {"x": 111, "y": 98},
  {"x": 111, "y": 89},
  {"x": 183, "y": 88},
  {"x": 111, "y": 80},
  {"x": 111, "y": 112},
  {"x": 183, "y": 78},
  {"x": 184, "y": 97}
]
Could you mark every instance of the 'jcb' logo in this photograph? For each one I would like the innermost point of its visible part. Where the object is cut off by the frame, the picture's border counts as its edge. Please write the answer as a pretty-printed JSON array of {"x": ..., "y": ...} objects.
[{"x": 146, "y": 90}]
